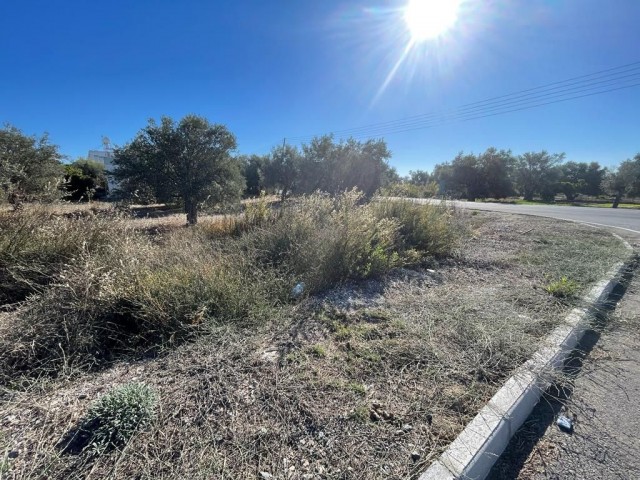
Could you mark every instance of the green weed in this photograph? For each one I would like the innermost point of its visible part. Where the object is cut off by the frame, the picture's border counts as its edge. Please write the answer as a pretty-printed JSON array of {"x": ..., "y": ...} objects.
[
  {"x": 318, "y": 351},
  {"x": 563, "y": 288},
  {"x": 357, "y": 388}
]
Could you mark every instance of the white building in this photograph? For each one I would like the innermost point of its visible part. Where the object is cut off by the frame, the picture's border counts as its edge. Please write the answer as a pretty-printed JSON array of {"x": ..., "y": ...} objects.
[{"x": 104, "y": 157}]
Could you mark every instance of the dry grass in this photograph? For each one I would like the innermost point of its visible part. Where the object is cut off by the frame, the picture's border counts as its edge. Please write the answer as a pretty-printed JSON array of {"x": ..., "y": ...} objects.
[
  {"x": 99, "y": 286},
  {"x": 347, "y": 384}
]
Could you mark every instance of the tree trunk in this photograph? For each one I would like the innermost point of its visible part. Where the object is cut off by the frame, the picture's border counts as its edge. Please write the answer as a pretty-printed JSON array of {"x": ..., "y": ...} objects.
[
  {"x": 191, "y": 209},
  {"x": 616, "y": 200},
  {"x": 528, "y": 195}
]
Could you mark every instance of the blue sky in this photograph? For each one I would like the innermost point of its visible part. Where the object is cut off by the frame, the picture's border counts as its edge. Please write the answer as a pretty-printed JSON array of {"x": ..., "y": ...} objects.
[{"x": 269, "y": 70}]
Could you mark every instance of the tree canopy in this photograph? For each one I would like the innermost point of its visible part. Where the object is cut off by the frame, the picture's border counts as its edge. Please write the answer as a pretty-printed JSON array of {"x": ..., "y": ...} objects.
[
  {"x": 253, "y": 169},
  {"x": 536, "y": 174},
  {"x": 623, "y": 181},
  {"x": 489, "y": 174},
  {"x": 85, "y": 180},
  {"x": 329, "y": 166},
  {"x": 30, "y": 166},
  {"x": 189, "y": 161}
]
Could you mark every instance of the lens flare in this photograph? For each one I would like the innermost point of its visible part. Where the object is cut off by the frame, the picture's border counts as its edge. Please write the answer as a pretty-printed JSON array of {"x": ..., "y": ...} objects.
[{"x": 427, "y": 19}]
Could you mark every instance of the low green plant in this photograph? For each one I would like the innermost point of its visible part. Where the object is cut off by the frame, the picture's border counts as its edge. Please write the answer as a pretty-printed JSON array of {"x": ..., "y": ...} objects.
[
  {"x": 318, "y": 351},
  {"x": 357, "y": 388},
  {"x": 117, "y": 416},
  {"x": 360, "y": 414},
  {"x": 562, "y": 288}
]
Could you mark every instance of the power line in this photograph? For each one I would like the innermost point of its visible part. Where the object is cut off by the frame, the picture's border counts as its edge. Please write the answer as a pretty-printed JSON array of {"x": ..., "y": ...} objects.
[
  {"x": 462, "y": 113},
  {"x": 494, "y": 100},
  {"x": 509, "y": 106},
  {"x": 504, "y": 112},
  {"x": 560, "y": 91}
]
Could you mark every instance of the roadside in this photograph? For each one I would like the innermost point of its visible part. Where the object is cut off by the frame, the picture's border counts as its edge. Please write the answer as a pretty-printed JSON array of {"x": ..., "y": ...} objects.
[
  {"x": 601, "y": 398},
  {"x": 369, "y": 380},
  {"x": 559, "y": 203}
]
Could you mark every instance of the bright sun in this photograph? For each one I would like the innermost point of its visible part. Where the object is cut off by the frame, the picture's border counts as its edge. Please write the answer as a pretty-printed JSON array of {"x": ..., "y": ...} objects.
[{"x": 428, "y": 19}]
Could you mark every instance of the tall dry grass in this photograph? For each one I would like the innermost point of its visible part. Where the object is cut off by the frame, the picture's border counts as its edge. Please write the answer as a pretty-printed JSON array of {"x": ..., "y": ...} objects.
[{"x": 99, "y": 287}]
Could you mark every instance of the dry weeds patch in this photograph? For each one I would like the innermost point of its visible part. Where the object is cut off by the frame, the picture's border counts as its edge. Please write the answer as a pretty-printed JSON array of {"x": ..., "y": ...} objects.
[{"x": 370, "y": 380}]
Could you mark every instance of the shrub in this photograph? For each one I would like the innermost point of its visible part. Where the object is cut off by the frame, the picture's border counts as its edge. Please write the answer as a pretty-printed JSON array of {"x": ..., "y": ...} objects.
[
  {"x": 257, "y": 213},
  {"x": 410, "y": 190},
  {"x": 563, "y": 288},
  {"x": 78, "y": 321},
  {"x": 430, "y": 229},
  {"x": 322, "y": 240},
  {"x": 118, "y": 415},
  {"x": 189, "y": 284}
]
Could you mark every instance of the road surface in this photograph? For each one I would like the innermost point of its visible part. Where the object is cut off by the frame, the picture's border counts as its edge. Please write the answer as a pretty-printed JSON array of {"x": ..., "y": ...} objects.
[{"x": 618, "y": 218}]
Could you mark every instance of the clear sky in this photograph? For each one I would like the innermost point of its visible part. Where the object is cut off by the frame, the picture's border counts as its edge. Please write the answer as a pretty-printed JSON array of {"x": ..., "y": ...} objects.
[{"x": 274, "y": 69}]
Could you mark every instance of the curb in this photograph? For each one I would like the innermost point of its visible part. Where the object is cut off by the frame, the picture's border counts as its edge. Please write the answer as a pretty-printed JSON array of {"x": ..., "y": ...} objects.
[{"x": 472, "y": 454}]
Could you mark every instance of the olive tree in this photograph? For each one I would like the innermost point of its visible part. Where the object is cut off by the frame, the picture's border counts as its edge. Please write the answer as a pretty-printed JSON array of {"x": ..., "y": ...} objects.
[
  {"x": 623, "y": 181},
  {"x": 30, "y": 166},
  {"x": 189, "y": 161}
]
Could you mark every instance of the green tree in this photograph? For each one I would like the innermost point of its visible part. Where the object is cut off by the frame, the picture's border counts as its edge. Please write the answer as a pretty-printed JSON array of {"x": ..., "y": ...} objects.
[
  {"x": 536, "y": 173},
  {"x": 625, "y": 181},
  {"x": 320, "y": 166},
  {"x": 419, "y": 177},
  {"x": 365, "y": 166},
  {"x": 253, "y": 169},
  {"x": 580, "y": 178},
  {"x": 334, "y": 167},
  {"x": 593, "y": 179},
  {"x": 189, "y": 161},
  {"x": 497, "y": 168},
  {"x": 283, "y": 169},
  {"x": 30, "y": 166},
  {"x": 85, "y": 180},
  {"x": 572, "y": 179},
  {"x": 443, "y": 176},
  {"x": 468, "y": 177}
]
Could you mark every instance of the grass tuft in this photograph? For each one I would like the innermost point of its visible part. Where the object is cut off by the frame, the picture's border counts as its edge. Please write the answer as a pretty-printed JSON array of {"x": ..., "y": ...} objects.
[{"x": 562, "y": 288}]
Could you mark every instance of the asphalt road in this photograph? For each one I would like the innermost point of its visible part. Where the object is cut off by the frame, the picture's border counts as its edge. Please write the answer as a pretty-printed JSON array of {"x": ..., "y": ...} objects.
[{"x": 619, "y": 218}]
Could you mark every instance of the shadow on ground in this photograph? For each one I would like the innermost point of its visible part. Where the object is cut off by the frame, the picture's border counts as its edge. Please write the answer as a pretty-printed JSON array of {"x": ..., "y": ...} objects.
[{"x": 554, "y": 400}]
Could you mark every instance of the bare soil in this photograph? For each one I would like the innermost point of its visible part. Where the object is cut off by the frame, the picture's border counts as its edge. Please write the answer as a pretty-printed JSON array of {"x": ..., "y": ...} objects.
[{"x": 369, "y": 380}]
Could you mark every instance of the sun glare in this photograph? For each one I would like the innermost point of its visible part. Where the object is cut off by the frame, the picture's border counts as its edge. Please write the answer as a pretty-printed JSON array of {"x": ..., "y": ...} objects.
[{"x": 427, "y": 19}]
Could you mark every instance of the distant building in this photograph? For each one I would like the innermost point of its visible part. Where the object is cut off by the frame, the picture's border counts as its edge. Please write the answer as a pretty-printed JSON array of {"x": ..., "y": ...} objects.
[{"x": 104, "y": 157}]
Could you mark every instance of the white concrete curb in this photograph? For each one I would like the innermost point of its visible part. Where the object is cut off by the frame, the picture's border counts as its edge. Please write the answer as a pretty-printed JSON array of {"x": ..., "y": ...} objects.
[{"x": 472, "y": 454}]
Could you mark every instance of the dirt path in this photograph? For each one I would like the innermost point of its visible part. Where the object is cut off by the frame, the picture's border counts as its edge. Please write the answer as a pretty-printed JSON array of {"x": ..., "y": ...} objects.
[{"x": 603, "y": 400}]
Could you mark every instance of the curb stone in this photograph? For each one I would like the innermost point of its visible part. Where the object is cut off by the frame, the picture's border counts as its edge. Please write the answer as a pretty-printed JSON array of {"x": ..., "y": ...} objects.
[{"x": 472, "y": 454}]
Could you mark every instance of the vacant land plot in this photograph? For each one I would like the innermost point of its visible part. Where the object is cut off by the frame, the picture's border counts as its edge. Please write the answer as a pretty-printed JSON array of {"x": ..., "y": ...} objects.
[{"x": 370, "y": 379}]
